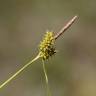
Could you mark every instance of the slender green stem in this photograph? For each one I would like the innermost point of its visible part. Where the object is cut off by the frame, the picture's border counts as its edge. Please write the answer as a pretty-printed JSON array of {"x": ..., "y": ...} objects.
[
  {"x": 46, "y": 79},
  {"x": 19, "y": 71}
]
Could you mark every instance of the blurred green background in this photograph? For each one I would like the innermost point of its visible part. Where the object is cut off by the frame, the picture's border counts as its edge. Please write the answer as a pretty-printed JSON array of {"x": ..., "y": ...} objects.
[{"x": 72, "y": 71}]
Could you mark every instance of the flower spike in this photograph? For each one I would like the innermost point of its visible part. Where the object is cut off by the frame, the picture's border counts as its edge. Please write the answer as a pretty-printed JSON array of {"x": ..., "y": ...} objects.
[{"x": 46, "y": 47}]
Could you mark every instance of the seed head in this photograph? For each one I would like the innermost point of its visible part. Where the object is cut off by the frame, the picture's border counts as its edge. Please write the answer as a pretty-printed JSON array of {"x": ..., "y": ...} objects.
[{"x": 46, "y": 47}]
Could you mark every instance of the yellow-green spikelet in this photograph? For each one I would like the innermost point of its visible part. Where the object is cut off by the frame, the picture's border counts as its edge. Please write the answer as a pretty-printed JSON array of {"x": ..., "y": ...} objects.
[{"x": 46, "y": 47}]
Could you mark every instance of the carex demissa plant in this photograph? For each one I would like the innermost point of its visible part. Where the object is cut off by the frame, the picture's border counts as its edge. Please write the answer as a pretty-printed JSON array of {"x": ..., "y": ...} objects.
[{"x": 46, "y": 50}]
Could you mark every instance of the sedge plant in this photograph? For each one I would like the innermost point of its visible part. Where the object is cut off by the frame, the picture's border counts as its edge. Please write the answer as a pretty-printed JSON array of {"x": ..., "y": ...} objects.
[{"x": 46, "y": 50}]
